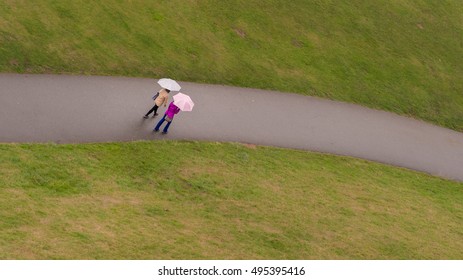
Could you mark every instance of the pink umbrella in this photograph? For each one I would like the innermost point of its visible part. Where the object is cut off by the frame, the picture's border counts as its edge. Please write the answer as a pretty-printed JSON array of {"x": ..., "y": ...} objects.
[{"x": 183, "y": 102}]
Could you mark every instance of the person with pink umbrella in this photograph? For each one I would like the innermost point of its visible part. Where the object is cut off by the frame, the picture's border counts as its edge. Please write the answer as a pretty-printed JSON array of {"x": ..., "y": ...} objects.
[{"x": 181, "y": 102}]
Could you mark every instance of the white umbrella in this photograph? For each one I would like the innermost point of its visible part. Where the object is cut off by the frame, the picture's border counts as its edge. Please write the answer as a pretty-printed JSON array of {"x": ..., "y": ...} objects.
[
  {"x": 183, "y": 102},
  {"x": 169, "y": 84}
]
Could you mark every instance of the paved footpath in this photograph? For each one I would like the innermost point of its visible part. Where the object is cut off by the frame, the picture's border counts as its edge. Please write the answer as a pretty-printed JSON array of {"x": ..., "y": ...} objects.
[{"x": 74, "y": 109}]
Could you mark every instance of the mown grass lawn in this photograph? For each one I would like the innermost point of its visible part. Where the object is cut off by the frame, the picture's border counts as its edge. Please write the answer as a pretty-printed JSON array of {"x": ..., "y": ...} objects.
[
  {"x": 190, "y": 200},
  {"x": 402, "y": 56}
]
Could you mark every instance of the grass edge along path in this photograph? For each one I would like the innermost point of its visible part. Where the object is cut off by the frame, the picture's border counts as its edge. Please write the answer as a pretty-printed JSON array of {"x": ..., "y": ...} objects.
[{"x": 193, "y": 200}]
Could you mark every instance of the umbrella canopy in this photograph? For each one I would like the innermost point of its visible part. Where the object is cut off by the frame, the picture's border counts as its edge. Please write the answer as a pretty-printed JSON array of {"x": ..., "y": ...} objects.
[
  {"x": 183, "y": 102},
  {"x": 169, "y": 84}
]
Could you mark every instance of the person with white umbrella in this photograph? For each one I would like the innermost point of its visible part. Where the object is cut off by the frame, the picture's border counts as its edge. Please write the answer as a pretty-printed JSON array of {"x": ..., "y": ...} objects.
[
  {"x": 160, "y": 99},
  {"x": 181, "y": 102},
  {"x": 162, "y": 96}
]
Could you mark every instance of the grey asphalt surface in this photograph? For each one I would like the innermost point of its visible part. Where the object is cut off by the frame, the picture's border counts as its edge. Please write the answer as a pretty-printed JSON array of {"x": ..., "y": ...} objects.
[{"x": 82, "y": 109}]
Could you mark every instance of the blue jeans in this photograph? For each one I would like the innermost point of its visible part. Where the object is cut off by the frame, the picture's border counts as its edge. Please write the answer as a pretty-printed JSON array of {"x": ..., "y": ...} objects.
[{"x": 160, "y": 123}]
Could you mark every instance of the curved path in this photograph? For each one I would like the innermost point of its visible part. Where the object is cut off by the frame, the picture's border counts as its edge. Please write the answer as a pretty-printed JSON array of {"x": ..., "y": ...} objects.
[{"x": 71, "y": 109}]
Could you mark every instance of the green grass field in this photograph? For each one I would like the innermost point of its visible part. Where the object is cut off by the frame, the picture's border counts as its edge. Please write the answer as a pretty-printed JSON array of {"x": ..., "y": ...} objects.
[
  {"x": 190, "y": 200},
  {"x": 402, "y": 56}
]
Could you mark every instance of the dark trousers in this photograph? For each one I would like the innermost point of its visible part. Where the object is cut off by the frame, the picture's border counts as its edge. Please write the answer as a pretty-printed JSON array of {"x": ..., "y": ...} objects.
[
  {"x": 158, "y": 126},
  {"x": 154, "y": 109}
]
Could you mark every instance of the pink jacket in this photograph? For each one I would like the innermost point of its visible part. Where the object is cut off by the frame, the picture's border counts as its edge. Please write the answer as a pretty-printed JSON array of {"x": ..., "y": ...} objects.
[{"x": 172, "y": 110}]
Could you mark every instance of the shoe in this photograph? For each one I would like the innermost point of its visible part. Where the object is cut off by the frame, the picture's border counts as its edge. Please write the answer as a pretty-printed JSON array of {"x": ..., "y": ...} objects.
[
  {"x": 155, "y": 115},
  {"x": 164, "y": 132},
  {"x": 145, "y": 116},
  {"x": 156, "y": 130}
]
